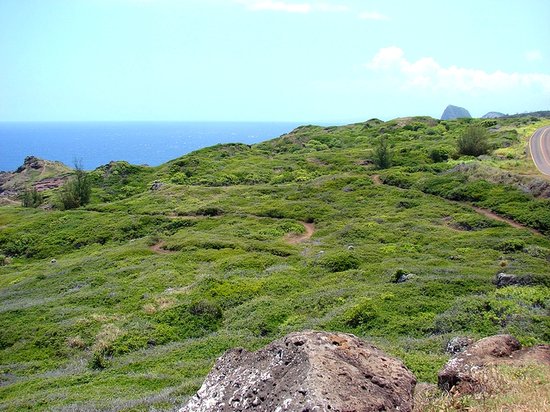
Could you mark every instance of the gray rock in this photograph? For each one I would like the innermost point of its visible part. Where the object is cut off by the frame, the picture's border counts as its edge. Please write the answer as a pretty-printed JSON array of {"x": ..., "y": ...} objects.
[
  {"x": 504, "y": 279},
  {"x": 455, "y": 112},
  {"x": 400, "y": 276},
  {"x": 458, "y": 344},
  {"x": 306, "y": 371},
  {"x": 156, "y": 185},
  {"x": 493, "y": 115}
]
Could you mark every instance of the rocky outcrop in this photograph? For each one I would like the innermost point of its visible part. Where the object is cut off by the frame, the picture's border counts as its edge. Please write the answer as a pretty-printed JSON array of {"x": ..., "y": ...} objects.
[
  {"x": 458, "y": 344},
  {"x": 455, "y": 112},
  {"x": 306, "y": 371},
  {"x": 461, "y": 373},
  {"x": 34, "y": 172},
  {"x": 156, "y": 185},
  {"x": 504, "y": 279},
  {"x": 30, "y": 162},
  {"x": 492, "y": 115}
]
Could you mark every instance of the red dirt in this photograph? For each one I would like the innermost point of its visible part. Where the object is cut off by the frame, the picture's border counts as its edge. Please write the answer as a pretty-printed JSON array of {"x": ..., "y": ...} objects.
[
  {"x": 376, "y": 180},
  {"x": 492, "y": 215},
  {"x": 159, "y": 248},
  {"x": 295, "y": 238}
]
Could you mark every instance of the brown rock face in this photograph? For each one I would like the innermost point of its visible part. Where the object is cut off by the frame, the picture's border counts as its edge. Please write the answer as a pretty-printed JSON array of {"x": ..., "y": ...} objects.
[
  {"x": 460, "y": 373},
  {"x": 307, "y": 371}
]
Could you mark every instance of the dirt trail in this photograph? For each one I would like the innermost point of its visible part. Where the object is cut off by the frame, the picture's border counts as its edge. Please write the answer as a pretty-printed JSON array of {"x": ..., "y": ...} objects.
[
  {"x": 294, "y": 238},
  {"x": 376, "y": 180},
  {"x": 159, "y": 248},
  {"x": 492, "y": 215},
  {"x": 485, "y": 212}
]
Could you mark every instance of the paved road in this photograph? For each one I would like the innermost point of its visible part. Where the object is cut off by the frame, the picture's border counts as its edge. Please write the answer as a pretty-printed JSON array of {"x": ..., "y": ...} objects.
[{"x": 539, "y": 145}]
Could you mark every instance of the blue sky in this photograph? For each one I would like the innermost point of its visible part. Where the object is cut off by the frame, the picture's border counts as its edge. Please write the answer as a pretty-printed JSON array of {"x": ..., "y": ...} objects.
[{"x": 270, "y": 60}]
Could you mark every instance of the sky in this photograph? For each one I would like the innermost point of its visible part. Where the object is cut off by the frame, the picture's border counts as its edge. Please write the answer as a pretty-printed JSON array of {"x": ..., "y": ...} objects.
[{"x": 329, "y": 61}]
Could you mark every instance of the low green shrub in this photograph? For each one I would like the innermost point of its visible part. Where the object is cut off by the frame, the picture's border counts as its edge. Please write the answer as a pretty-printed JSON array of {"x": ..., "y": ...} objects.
[
  {"x": 511, "y": 245},
  {"x": 340, "y": 261}
]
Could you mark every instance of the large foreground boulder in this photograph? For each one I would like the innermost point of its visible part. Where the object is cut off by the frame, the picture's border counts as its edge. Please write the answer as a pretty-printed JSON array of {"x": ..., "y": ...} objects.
[
  {"x": 307, "y": 371},
  {"x": 462, "y": 373}
]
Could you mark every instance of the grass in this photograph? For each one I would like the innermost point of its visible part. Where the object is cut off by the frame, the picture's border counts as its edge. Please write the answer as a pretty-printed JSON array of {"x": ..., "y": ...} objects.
[
  {"x": 111, "y": 325},
  {"x": 505, "y": 388}
]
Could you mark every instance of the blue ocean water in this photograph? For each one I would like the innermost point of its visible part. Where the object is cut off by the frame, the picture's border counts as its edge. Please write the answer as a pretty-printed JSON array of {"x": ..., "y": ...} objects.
[{"x": 97, "y": 143}]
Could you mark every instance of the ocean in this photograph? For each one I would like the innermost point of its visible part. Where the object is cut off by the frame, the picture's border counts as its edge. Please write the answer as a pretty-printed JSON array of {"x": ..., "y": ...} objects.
[{"x": 97, "y": 143}]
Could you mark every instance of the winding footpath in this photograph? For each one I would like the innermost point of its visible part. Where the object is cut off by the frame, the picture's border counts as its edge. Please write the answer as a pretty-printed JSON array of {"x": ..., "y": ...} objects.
[
  {"x": 294, "y": 239},
  {"x": 539, "y": 146}
]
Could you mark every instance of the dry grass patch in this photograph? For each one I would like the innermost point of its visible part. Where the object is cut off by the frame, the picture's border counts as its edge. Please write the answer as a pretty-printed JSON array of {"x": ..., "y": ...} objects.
[{"x": 503, "y": 389}]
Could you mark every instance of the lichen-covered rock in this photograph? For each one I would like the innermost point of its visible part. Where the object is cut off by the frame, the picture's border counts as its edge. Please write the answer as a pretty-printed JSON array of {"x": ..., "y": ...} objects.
[
  {"x": 458, "y": 344},
  {"x": 307, "y": 371},
  {"x": 462, "y": 371},
  {"x": 504, "y": 279}
]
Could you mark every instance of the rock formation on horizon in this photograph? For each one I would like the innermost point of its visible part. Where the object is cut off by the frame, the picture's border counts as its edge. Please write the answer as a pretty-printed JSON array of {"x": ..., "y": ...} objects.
[
  {"x": 307, "y": 371},
  {"x": 493, "y": 115},
  {"x": 455, "y": 112}
]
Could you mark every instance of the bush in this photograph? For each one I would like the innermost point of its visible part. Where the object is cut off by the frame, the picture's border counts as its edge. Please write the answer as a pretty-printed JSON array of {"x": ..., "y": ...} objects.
[
  {"x": 511, "y": 245},
  {"x": 339, "y": 262},
  {"x": 439, "y": 155},
  {"x": 382, "y": 155},
  {"x": 360, "y": 314},
  {"x": 32, "y": 198},
  {"x": 473, "y": 142},
  {"x": 77, "y": 191}
]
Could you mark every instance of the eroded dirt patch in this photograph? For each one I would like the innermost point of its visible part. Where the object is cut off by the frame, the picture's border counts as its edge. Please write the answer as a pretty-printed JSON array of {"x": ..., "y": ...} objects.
[
  {"x": 159, "y": 248},
  {"x": 294, "y": 238}
]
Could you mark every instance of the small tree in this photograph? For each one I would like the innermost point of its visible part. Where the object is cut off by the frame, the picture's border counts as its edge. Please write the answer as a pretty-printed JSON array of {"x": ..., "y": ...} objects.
[
  {"x": 77, "y": 191},
  {"x": 382, "y": 154},
  {"x": 474, "y": 141},
  {"x": 32, "y": 198}
]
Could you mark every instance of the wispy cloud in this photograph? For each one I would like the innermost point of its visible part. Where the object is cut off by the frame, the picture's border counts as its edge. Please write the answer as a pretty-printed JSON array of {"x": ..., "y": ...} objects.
[
  {"x": 279, "y": 6},
  {"x": 330, "y": 8},
  {"x": 427, "y": 73},
  {"x": 292, "y": 7},
  {"x": 533, "y": 55},
  {"x": 373, "y": 15}
]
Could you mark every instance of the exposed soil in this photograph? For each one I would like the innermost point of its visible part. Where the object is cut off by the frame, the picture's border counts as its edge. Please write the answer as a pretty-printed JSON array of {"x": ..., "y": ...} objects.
[
  {"x": 159, "y": 248},
  {"x": 298, "y": 238},
  {"x": 376, "y": 180},
  {"x": 492, "y": 215},
  {"x": 52, "y": 183},
  {"x": 485, "y": 212}
]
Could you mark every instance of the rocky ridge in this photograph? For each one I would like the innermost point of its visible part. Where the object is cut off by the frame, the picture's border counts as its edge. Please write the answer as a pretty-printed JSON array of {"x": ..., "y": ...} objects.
[
  {"x": 34, "y": 172},
  {"x": 493, "y": 115}
]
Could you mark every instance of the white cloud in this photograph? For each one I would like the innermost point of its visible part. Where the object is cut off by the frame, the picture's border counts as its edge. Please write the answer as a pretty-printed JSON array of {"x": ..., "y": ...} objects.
[
  {"x": 279, "y": 6},
  {"x": 427, "y": 73},
  {"x": 372, "y": 15},
  {"x": 331, "y": 8},
  {"x": 533, "y": 55},
  {"x": 291, "y": 7}
]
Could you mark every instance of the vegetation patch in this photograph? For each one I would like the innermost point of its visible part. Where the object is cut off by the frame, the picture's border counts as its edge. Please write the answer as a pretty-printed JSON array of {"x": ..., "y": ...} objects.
[{"x": 92, "y": 318}]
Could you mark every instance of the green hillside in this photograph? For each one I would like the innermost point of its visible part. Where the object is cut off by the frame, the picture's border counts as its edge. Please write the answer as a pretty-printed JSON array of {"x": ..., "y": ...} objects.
[{"x": 124, "y": 304}]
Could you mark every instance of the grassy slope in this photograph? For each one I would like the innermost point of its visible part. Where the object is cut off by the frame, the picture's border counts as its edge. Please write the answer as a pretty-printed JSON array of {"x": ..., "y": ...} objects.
[{"x": 114, "y": 325}]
